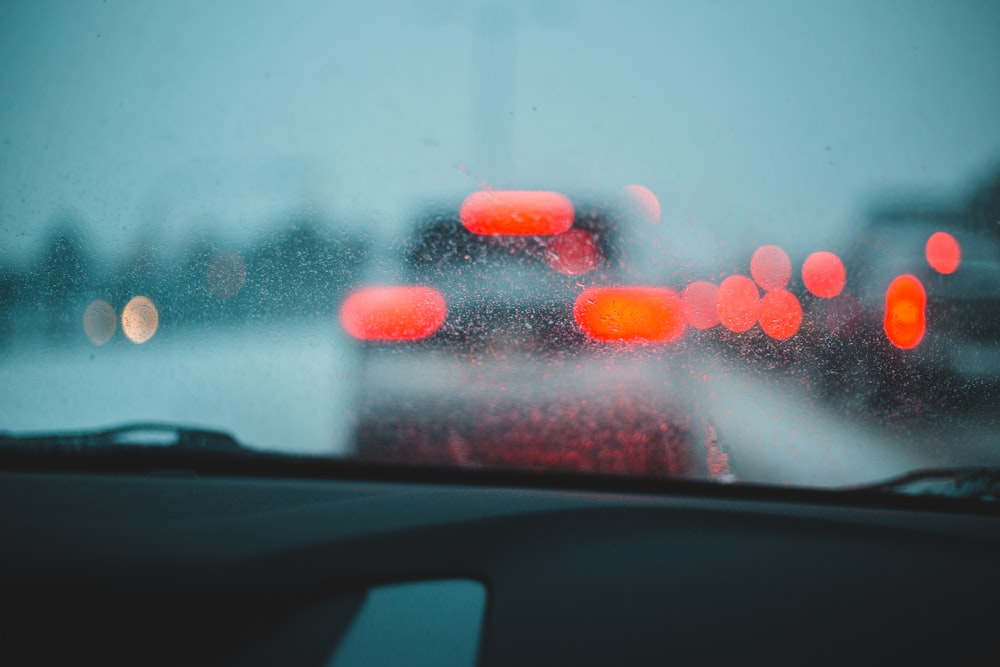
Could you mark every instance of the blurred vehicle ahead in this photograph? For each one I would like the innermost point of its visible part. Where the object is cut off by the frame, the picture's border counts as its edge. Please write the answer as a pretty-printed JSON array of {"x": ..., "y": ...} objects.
[
  {"x": 490, "y": 353},
  {"x": 944, "y": 352}
]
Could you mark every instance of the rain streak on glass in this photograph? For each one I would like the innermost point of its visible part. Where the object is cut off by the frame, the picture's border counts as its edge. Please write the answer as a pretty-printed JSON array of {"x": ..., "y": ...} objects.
[
  {"x": 99, "y": 322},
  {"x": 139, "y": 319}
]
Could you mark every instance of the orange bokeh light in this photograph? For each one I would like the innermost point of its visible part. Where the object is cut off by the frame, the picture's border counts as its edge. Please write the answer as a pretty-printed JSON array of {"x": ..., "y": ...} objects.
[
  {"x": 573, "y": 253},
  {"x": 770, "y": 267},
  {"x": 517, "y": 212},
  {"x": 905, "y": 318},
  {"x": 824, "y": 274},
  {"x": 780, "y": 314},
  {"x": 943, "y": 252},
  {"x": 630, "y": 314},
  {"x": 393, "y": 313},
  {"x": 140, "y": 319},
  {"x": 645, "y": 202},
  {"x": 701, "y": 304},
  {"x": 738, "y": 303}
]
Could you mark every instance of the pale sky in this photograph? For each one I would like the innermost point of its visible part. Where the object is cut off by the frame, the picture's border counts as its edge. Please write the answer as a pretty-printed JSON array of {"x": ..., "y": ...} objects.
[{"x": 760, "y": 121}]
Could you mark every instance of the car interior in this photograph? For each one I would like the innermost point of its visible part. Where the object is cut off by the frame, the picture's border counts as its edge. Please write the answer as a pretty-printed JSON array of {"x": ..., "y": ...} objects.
[
  {"x": 460, "y": 333},
  {"x": 125, "y": 561}
]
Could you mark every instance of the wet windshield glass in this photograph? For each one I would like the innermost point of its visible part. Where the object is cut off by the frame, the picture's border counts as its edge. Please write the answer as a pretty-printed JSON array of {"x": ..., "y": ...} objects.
[{"x": 751, "y": 241}]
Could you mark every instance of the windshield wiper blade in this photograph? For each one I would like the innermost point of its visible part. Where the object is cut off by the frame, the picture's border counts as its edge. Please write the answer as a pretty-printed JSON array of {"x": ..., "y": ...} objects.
[
  {"x": 968, "y": 483},
  {"x": 160, "y": 435}
]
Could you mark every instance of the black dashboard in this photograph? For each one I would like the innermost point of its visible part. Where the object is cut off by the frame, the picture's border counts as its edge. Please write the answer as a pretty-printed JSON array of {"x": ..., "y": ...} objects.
[{"x": 172, "y": 568}]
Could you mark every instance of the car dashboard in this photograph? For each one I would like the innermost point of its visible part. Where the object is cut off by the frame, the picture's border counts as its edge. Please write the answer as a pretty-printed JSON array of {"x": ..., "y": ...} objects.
[{"x": 170, "y": 567}]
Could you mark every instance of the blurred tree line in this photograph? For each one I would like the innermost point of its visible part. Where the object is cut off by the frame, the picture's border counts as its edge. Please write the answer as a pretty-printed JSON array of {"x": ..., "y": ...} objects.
[{"x": 298, "y": 270}]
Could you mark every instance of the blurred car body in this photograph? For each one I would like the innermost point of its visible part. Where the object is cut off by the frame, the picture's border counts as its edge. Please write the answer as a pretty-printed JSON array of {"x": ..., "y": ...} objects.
[
  {"x": 510, "y": 379},
  {"x": 505, "y": 290}
]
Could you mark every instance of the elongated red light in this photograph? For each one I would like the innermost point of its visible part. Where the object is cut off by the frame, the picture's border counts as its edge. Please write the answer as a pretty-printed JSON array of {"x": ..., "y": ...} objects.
[
  {"x": 630, "y": 314},
  {"x": 517, "y": 212},
  {"x": 905, "y": 317},
  {"x": 393, "y": 313}
]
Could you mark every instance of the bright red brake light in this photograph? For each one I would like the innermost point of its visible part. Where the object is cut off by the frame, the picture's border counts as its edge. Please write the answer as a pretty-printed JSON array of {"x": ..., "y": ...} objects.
[
  {"x": 630, "y": 314},
  {"x": 780, "y": 314},
  {"x": 943, "y": 252},
  {"x": 701, "y": 304},
  {"x": 517, "y": 212},
  {"x": 738, "y": 303},
  {"x": 393, "y": 313},
  {"x": 905, "y": 318},
  {"x": 824, "y": 274}
]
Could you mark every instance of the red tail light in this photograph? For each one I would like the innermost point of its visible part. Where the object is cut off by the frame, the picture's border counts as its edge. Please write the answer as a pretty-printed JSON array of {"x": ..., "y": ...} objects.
[
  {"x": 824, "y": 274},
  {"x": 630, "y": 314},
  {"x": 701, "y": 304},
  {"x": 905, "y": 317},
  {"x": 393, "y": 313},
  {"x": 780, "y": 314},
  {"x": 770, "y": 267},
  {"x": 739, "y": 303},
  {"x": 518, "y": 212},
  {"x": 943, "y": 252}
]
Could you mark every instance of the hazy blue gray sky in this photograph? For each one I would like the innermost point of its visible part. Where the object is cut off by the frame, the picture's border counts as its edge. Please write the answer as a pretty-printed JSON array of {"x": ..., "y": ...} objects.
[{"x": 765, "y": 120}]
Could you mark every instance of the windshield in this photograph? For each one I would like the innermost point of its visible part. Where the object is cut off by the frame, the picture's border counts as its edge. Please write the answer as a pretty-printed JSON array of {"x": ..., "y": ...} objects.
[{"x": 738, "y": 241}]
